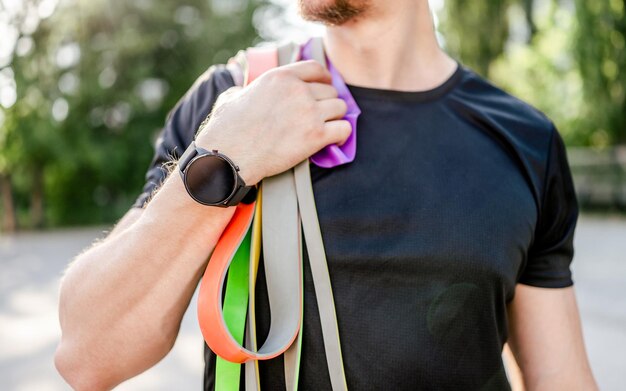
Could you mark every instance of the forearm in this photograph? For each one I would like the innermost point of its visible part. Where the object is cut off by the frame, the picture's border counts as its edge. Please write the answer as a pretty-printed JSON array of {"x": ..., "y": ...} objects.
[
  {"x": 122, "y": 300},
  {"x": 573, "y": 374}
]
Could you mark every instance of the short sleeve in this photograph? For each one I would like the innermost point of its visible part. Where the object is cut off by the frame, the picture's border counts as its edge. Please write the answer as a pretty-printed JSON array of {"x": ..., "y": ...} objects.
[
  {"x": 181, "y": 125},
  {"x": 550, "y": 255}
]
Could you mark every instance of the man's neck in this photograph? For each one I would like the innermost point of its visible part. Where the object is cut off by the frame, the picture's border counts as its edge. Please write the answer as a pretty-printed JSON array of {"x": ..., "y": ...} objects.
[{"x": 393, "y": 48}]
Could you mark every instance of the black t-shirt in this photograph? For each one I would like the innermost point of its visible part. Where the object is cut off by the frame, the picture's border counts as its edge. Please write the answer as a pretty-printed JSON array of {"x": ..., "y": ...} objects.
[{"x": 456, "y": 194}]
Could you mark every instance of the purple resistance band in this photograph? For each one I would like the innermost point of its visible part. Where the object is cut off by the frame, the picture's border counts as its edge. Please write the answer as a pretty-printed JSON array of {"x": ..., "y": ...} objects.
[{"x": 333, "y": 155}]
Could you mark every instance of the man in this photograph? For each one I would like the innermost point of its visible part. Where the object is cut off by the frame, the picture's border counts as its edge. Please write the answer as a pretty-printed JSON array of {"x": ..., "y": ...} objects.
[{"x": 449, "y": 234}]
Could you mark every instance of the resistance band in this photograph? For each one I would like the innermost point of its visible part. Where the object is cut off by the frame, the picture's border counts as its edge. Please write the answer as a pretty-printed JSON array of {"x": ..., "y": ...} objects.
[{"x": 286, "y": 203}]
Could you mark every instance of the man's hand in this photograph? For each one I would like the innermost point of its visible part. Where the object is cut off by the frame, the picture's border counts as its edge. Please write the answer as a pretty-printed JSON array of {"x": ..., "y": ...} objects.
[{"x": 280, "y": 119}]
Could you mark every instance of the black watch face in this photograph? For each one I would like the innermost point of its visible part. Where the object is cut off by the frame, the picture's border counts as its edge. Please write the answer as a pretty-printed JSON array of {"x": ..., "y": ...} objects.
[{"x": 210, "y": 179}]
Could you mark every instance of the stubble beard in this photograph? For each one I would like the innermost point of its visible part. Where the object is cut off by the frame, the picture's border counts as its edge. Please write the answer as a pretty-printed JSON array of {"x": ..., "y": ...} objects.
[{"x": 334, "y": 12}]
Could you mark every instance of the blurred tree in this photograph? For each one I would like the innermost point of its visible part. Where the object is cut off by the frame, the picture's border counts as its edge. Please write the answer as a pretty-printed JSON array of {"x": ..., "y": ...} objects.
[
  {"x": 476, "y": 31},
  {"x": 529, "y": 7},
  {"x": 25, "y": 144},
  {"x": 546, "y": 73},
  {"x": 86, "y": 84},
  {"x": 94, "y": 82},
  {"x": 569, "y": 60},
  {"x": 601, "y": 56}
]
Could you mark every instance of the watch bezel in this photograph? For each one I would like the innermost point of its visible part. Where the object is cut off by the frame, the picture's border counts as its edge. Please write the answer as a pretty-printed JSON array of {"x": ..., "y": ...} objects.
[{"x": 203, "y": 154}]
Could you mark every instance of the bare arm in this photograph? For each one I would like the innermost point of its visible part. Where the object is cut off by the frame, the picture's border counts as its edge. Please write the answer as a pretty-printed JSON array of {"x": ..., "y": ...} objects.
[
  {"x": 513, "y": 371},
  {"x": 123, "y": 299},
  {"x": 546, "y": 339},
  {"x": 129, "y": 219}
]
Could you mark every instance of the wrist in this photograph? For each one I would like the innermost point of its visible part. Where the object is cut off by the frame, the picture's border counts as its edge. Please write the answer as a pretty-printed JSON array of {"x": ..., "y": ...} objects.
[
  {"x": 248, "y": 171},
  {"x": 211, "y": 178},
  {"x": 173, "y": 201}
]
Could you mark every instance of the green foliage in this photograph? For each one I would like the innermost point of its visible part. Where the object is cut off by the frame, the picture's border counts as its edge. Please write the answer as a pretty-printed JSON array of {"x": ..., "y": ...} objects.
[
  {"x": 96, "y": 79},
  {"x": 476, "y": 31},
  {"x": 545, "y": 73},
  {"x": 95, "y": 89},
  {"x": 568, "y": 61},
  {"x": 601, "y": 55}
]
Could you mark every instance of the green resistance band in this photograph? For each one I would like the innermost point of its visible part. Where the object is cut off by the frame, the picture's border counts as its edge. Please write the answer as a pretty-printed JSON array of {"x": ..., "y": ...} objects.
[{"x": 227, "y": 374}]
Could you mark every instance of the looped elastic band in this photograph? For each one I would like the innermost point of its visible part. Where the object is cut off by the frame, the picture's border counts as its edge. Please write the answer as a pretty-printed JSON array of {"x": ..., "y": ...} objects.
[
  {"x": 284, "y": 209},
  {"x": 279, "y": 259}
]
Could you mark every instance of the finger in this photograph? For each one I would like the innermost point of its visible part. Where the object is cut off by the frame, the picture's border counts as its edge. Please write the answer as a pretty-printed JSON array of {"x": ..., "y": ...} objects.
[
  {"x": 322, "y": 91},
  {"x": 332, "y": 108},
  {"x": 337, "y": 132},
  {"x": 309, "y": 70}
]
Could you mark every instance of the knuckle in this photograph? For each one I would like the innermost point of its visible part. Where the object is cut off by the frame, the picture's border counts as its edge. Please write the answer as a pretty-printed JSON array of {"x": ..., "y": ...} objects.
[
  {"x": 333, "y": 92},
  {"x": 300, "y": 89},
  {"x": 314, "y": 66},
  {"x": 278, "y": 74},
  {"x": 317, "y": 66},
  {"x": 310, "y": 111},
  {"x": 319, "y": 132},
  {"x": 284, "y": 72},
  {"x": 312, "y": 121},
  {"x": 311, "y": 63}
]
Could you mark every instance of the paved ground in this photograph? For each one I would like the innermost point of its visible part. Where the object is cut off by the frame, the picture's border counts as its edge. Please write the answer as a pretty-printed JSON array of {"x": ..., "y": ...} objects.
[{"x": 31, "y": 264}]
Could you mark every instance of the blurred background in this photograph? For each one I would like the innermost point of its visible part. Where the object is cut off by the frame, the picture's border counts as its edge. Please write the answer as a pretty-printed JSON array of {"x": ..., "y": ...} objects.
[{"x": 85, "y": 87}]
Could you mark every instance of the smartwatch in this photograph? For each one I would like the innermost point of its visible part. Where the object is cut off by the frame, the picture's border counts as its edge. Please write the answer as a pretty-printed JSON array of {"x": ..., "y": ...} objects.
[{"x": 212, "y": 179}]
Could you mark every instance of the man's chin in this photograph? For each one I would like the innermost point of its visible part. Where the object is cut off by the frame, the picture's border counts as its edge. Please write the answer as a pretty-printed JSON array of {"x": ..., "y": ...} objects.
[{"x": 332, "y": 12}]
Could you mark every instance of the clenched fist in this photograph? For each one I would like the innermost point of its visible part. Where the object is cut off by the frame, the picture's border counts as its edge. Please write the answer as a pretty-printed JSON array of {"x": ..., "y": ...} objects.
[{"x": 283, "y": 117}]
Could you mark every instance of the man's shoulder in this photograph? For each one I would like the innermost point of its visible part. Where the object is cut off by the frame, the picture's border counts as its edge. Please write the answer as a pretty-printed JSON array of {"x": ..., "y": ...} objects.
[
  {"x": 207, "y": 87},
  {"x": 495, "y": 105},
  {"x": 182, "y": 123},
  {"x": 522, "y": 130},
  {"x": 218, "y": 74}
]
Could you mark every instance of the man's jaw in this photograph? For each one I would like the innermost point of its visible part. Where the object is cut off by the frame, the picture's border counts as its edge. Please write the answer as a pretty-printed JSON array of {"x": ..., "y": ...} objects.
[{"x": 333, "y": 12}]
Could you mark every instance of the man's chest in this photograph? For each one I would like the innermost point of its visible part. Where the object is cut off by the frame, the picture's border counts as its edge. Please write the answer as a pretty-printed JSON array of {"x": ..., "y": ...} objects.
[{"x": 440, "y": 202}]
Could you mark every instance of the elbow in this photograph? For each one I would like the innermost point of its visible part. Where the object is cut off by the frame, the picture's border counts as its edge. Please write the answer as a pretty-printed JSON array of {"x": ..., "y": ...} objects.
[
  {"x": 82, "y": 369},
  {"x": 79, "y": 372},
  {"x": 75, "y": 365}
]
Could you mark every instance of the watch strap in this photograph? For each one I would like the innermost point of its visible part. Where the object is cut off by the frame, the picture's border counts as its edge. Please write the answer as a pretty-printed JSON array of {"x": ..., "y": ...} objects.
[
  {"x": 187, "y": 157},
  {"x": 245, "y": 194}
]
